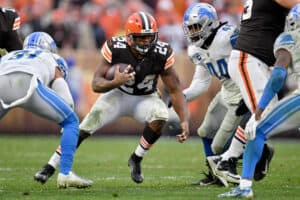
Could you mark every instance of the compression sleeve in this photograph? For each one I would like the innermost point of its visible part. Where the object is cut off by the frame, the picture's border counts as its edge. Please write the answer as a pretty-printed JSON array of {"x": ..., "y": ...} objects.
[{"x": 273, "y": 86}]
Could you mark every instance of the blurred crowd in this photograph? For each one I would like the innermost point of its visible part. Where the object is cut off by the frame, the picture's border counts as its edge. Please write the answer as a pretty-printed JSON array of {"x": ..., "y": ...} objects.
[
  {"x": 80, "y": 27},
  {"x": 87, "y": 23}
]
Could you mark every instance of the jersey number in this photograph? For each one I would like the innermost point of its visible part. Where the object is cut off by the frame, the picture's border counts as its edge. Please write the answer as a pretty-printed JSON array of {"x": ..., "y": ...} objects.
[
  {"x": 27, "y": 54},
  {"x": 146, "y": 84},
  {"x": 218, "y": 69}
]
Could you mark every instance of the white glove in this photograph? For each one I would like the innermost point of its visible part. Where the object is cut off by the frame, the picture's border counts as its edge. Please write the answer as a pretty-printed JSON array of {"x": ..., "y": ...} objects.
[{"x": 250, "y": 130}]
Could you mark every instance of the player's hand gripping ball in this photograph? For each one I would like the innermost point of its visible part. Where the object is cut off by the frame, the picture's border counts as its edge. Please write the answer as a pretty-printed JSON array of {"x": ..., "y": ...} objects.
[{"x": 122, "y": 66}]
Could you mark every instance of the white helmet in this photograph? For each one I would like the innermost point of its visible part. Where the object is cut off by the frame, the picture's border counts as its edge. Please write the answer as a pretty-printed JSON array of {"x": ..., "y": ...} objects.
[
  {"x": 292, "y": 20},
  {"x": 199, "y": 21},
  {"x": 40, "y": 40}
]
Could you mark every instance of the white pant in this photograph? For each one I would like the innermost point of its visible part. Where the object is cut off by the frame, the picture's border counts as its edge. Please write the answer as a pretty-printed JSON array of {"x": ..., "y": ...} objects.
[
  {"x": 115, "y": 103},
  {"x": 251, "y": 75},
  {"x": 220, "y": 123}
]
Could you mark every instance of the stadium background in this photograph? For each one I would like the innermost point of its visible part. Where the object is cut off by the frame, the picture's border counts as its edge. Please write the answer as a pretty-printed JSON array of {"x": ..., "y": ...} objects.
[{"x": 81, "y": 26}]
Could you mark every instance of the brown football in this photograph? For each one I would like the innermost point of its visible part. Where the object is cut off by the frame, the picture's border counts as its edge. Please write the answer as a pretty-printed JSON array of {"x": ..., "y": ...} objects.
[{"x": 111, "y": 71}]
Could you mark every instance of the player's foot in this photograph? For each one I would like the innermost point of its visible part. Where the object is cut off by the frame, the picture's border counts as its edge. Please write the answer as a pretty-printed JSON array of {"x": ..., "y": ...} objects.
[
  {"x": 238, "y": 192},
  {"x": 262, "y": 167},
  {"x": 72, "y": 180},
  {"x": 227, "y": 170},
  {"x": 134, "y": 163},
  {"x": 209, "y": 179},
  {"x": 213, "y": 163},
  {"x": 44, "y": 174}
]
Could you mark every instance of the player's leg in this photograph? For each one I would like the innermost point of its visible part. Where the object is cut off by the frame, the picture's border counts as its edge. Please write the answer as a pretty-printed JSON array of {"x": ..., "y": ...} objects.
[
  {"x": 153, "y": 111},
  {"x": 223, "y": 136},
  {"x": 105, "y": 110},
  {"x": 284, "y": 116},
  {"x": 210, "y": 125}
]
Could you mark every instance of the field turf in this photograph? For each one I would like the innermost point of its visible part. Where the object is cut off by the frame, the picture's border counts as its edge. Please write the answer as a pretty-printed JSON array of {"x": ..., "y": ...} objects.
[{"x": 169, "y": 168}]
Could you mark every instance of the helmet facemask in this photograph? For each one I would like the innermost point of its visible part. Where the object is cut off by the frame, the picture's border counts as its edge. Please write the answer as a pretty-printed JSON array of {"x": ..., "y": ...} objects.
[
  {"x": 141, "y": 32},
  {"x": 143, "y": 42},
  {"x": 199, "y": 22}
]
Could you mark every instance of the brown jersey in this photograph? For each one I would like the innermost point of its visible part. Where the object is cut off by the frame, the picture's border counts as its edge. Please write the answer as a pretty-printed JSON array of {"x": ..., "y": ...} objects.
[
  {"x": 262, "y": 22},
  {"x": 9, "y": 24},
  {"x": 147, "y": 69}
]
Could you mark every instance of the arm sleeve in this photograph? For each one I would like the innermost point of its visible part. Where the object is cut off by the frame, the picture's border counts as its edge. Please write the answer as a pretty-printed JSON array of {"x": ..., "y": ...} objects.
[
  {"x": 61, "y": 87},
  {"x": 199, "y": 85}
]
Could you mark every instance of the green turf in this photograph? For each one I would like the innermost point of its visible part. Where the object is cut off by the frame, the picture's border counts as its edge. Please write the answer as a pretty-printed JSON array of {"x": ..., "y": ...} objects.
[{"x": 169, "y": 168}]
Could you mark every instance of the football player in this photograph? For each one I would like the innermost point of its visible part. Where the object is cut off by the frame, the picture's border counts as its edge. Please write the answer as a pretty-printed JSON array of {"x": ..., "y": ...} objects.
[
  {"x": 284, "y": 115},
  {"x": 26, "y": 80},
  {"x": 133, "y": 94},
  {"x": 9, "y": 25},
  {"x": 249, "y": 67},
  {"x": 210, "y": 43}
]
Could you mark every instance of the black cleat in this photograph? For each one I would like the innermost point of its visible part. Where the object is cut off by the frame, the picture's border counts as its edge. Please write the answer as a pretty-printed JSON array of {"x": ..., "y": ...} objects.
[
  {"x": 262, "y": 167},
  {"x": 134, "y": 163},
  {"x": 209, "y": 179},
  {"x": 227, "y": 170},
  {"x": 44, "y": 174}
]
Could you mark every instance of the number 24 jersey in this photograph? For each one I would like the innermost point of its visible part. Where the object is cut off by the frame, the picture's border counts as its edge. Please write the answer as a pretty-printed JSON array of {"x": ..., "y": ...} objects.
[{"x": 155, "y": 62}]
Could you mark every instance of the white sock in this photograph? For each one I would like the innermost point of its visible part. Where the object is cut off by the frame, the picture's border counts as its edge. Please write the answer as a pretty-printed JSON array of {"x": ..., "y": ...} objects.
[
  {"x": 139, "y": 151},
  {"x": 237, "y": 145},
  {"x": 54, "y": 160},
  {"x": 245, "y": 183}
]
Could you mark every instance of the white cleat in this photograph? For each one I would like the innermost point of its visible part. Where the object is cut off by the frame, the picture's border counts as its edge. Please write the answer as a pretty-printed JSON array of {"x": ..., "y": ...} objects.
[{"x": 72, "y": 180}]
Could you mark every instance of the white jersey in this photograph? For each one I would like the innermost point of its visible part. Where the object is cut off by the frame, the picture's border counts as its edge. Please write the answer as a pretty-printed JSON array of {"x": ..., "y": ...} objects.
[
  {"x": 290, "y": 41},
  {"x": 213, "y": 62},
  {"x": 36, "y": 62}
]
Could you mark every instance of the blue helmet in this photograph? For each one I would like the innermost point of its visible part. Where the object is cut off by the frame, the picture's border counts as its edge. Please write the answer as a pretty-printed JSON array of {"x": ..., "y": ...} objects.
[
  {"x": 292, "y": 21},
  {"x": 62, "y": 65},
  {"x": 41, "y": 41},
  {"x": 199, "y": 21}
]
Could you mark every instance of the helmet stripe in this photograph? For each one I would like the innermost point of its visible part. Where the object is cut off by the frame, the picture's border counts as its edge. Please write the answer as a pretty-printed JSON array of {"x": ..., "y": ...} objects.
[{"x": 145, "y": 20}]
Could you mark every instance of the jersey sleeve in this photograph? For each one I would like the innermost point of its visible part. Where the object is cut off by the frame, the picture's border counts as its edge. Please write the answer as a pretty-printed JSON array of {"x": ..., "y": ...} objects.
[
  {"x": 106, "y": 50},
  {"x": 196, "y": 54},
  {"x": 170, "y": 58},
  {"x": 284, "y": 41}
]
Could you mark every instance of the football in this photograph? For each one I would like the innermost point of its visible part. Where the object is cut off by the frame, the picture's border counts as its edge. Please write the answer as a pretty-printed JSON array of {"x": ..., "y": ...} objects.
[{"x": 111, "y": 71}]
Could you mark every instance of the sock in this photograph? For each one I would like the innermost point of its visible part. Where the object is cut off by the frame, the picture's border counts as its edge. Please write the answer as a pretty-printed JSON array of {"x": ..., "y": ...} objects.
[
  {"x": 245, "y": 183},
  {"x": 55, "y": 158},
  {"x": 148, "y": 138},
  {"x": 237, "y": 145},
  {"x": 252, "y": 154},
  {"x": 68, "y": 143},
  {"x": 207, "y": 146}
]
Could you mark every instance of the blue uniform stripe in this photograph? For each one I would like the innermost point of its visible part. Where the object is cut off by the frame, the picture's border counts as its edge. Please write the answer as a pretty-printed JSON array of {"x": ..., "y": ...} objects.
[
  {"x": 280, "y": 114},
  {"x": 56, "y": 102}
]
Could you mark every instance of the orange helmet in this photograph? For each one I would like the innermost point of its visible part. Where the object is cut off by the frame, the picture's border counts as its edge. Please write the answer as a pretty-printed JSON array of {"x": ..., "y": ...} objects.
[{"x": 141, "y": 32}]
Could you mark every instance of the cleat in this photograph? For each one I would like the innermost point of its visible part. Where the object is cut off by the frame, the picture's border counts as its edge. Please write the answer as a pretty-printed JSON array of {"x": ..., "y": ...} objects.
[
  {"x": 209, "y": 179},
  {"x": 238, "y": 192},
  {"x": 227, "y": 170},
  {"x": 262, "y": 167},
  {"x": 44, "y": 174},
  {"x": 213, "y": 163},
  {"x": 72, "y": 180},
  {"x": 134, "y": 163}
]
